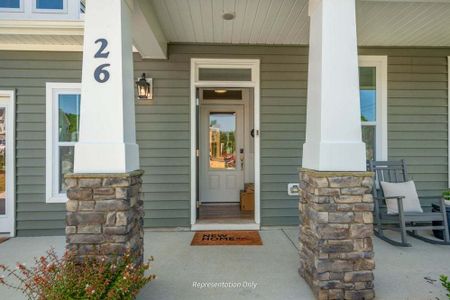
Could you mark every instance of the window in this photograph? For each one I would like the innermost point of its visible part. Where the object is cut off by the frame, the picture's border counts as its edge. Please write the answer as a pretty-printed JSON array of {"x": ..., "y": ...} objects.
[
  {"x": 368, "y": 101},
  {"x": 224, "y": 74},
  {"x": 373, "y": 101},
  {"x": 50, "y": 6},
  {"x": 11, "y": 5},
  {"x": 63, "y": 121}
]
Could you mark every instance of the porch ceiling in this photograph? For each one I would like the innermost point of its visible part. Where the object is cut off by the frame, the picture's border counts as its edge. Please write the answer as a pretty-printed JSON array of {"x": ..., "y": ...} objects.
[{"x": 380, "y": 22}]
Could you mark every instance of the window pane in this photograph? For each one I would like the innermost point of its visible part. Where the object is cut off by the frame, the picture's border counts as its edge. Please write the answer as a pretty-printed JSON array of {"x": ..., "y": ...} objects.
[
  {"x": 368, "y": 137},
  {"x": 368, "y": 93},
  {"x": 9, "y": 3},
  {"x": 50, "y": 4},
  {"x": 65, "y": 165},
  {"x": 69, "y": 117},
  {"x": 2, "y": 161},
  {"x": 208, "y": 74},
  {"x": 222, "y": 140},
  {"x": 222, "y": 94}
]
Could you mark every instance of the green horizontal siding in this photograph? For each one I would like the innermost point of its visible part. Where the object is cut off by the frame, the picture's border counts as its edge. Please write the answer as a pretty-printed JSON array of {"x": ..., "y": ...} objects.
[
  {"x": 28, "y": 72},
  {"x": 417, "y": 112},
  {"x": 283, "y": 115}
]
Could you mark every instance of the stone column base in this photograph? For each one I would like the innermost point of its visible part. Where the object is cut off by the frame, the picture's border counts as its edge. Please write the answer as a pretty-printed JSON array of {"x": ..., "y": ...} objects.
[
  {"x": 336, "y": 229},
  {"x": 105, "y": 215}
]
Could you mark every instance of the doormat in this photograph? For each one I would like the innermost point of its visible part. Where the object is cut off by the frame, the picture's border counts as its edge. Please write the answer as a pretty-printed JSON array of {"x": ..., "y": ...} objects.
[
  {"x": 226, "y": 238},
  {"x": 3, "y": 239}
]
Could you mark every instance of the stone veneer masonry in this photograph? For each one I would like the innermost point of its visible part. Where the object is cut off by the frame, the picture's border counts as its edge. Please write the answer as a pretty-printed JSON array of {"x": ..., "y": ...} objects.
[
  {"x": 336, "y": 228},
  {"x": 105, "y": 214}
]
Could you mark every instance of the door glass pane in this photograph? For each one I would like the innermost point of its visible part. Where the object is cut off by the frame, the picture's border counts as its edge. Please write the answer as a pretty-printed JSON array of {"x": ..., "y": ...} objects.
[
  {"x": 65, "y": 165},
  {"x": 2, "y": 161},
  {"x": 368, "y": 137},
  {"x": 69, "y": 117},
  {"x": 222, "y": 140},
  {"x": 9, "y": 3},
  {"x": 209, "y": 74},
  {"x": 368, "y": 93},
  {"x": 50, "y": 4}
]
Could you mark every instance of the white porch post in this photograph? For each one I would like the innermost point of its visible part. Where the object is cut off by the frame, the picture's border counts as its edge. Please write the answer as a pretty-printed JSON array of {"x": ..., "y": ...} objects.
[
  {"x": 333, "y": 128},
  {"x": 107, "y": 141},
  {"x": 336, "y": 223}
]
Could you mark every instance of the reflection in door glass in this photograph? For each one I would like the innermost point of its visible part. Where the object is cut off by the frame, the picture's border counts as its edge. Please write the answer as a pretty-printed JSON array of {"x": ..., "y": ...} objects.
[
  {"x": 2, "y": 161},
  {"x": 222, "y": 140}
]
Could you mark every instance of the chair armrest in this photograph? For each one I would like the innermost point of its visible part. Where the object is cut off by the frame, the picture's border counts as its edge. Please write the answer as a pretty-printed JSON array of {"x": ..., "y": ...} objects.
[
  {"x": 392, "y": 197},
  {"x": 443, "y": 206},
  {"x": 385, "y": 198},
  {"x": 399, "y": 202}
]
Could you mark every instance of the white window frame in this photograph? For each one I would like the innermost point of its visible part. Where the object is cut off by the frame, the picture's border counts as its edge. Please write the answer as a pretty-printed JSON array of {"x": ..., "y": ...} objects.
[
  {"x": 53, "y": 90},
  {"x": 11, "y": 9},
  {"x": 50, "y": 11},
  {"x": 379, "y": 62}
]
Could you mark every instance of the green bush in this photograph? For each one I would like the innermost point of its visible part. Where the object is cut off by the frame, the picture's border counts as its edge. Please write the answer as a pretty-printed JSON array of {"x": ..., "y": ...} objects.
[
  {"x": 55, "y": 278},
  {"x": 446, "y": 284},
  {"x": 446, "y": 195}
]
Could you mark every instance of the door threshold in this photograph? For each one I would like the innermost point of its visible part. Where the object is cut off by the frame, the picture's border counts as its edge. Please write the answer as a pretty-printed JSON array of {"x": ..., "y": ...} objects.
[{"x": 221, "y": 226}]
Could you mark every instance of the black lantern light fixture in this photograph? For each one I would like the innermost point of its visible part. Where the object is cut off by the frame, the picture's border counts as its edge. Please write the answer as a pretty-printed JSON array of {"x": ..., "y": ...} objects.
[{"x": 144, "y": 88}]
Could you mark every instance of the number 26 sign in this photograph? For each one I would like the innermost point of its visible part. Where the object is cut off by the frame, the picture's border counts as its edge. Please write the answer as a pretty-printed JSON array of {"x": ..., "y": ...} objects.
[{"x": 101, "y": 74}]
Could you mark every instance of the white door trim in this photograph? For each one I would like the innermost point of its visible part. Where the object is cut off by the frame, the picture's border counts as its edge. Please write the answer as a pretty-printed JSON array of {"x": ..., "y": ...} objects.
[
  {"x": 448, "y": 117},
  {"x": 10, "y": 159},
  {"x": 252, "y": 64}
]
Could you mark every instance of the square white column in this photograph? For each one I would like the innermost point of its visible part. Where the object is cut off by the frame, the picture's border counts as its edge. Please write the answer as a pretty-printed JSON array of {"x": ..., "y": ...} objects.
[
  {"x": 107, "y": 141},
  {"x": 333, "y": 127}
]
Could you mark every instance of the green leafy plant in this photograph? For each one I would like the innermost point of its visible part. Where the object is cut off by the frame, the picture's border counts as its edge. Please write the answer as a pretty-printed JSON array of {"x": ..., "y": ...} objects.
[
  {"x": 446, "y": 284},
  {"x": 61, "y": 278},
  {"x": 446, "y": 194}
]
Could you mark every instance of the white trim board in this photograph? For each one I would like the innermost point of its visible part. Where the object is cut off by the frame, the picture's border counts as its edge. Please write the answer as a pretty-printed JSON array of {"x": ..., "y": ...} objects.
[
  {"x": 10, "y": 159},
  {"x": 448, "y": 116},
  {"x": 380, "y": 63},
  {"x": 254, "y": 65}
]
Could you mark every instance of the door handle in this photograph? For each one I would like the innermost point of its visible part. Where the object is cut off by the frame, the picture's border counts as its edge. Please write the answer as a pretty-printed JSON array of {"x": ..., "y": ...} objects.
[{"x": 242, "y": 156}]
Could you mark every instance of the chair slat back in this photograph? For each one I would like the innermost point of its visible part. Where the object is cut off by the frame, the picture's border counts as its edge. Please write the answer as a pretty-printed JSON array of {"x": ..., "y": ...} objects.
[{"x": 388, "y": 171}]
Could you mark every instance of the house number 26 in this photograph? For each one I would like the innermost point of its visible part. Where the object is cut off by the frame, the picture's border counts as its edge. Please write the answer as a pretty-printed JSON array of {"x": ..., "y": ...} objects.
[{"x": 102, "y": 75}]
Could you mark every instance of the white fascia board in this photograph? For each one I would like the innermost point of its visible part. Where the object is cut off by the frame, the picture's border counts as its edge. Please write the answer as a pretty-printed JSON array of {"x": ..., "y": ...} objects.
[
  {"x": 23, "y": 27},
  {"x": 409, "y": 1},
  {"x": 41, "y": 47},
  {"x": 148, "y": 37}
]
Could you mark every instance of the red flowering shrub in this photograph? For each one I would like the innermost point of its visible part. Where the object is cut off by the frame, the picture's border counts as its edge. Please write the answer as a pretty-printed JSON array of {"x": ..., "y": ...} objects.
[{"x": 54, "y": 278}]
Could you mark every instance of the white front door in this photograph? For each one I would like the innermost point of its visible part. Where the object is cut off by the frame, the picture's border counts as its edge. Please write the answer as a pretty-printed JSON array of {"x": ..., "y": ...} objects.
[
  {"x": 6, "y": 167},
  {"x": 221, "y": 153}
]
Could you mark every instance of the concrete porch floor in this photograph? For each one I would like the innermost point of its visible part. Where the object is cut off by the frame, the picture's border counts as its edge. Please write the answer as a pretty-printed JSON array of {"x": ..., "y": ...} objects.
[{"x": 400, "y": 272}]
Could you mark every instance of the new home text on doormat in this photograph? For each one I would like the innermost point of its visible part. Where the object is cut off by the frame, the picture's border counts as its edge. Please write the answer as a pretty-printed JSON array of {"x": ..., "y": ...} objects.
[{"x": 226, "y": 238}]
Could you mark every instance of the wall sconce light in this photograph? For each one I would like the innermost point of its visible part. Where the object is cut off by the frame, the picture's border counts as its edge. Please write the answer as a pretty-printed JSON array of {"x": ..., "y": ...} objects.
[{"x": 144, "y": 87}]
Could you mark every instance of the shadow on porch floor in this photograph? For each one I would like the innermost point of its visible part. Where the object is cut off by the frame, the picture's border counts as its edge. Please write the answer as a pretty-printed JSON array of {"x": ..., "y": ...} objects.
[{"x": 400, "y": 272}]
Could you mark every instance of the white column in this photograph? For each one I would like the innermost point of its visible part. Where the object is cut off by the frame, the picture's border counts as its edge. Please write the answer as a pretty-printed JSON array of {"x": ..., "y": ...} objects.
[
  {"x": 107, "y": 142},
  {"x": 333, "y": 128}
]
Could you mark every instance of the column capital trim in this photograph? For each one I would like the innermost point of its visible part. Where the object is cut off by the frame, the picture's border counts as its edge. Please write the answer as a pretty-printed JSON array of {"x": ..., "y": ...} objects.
[{"x": 336, "y": 173}]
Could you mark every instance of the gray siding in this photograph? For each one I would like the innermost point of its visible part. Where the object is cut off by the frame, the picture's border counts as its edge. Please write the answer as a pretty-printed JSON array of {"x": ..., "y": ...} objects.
[
  {"x": 417, "y": 112},
  {"x": 283, "y": 112},
  {"x": 27, "y": 72}
]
